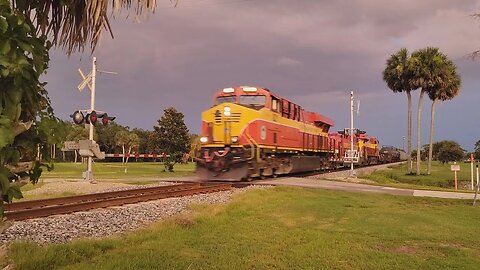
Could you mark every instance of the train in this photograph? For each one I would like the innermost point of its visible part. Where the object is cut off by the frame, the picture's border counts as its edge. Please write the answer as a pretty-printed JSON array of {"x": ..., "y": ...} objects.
[
  {"x": 389, "y": 154},
  {"x": 251, "y": 132}
]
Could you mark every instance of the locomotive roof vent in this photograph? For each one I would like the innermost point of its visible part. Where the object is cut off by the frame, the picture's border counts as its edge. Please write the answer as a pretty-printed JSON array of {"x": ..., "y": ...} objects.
[{"x": 228, "y": 90}]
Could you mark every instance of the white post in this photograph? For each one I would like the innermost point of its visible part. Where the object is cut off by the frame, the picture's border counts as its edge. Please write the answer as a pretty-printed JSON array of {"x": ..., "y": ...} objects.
[
  {"x": 89, "y": 173},
  {"x": 471, "y": 168},
  {"x": 477, "y": 174},
  {"x": 352, "y": 173},
  {"x": 455, "y": 175}
]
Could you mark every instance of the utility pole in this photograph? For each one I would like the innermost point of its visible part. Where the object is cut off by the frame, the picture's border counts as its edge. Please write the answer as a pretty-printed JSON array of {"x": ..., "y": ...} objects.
[{"x": 352, "y": 172}]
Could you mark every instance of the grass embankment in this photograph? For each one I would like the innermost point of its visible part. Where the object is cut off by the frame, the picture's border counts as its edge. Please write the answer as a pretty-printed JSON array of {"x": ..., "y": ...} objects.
[
  {"x": 441, "y": 176},
  {"x": 130, "y": 170},
  {"x": 132, "y": 173},
  {"x": 285, "y": 228}
]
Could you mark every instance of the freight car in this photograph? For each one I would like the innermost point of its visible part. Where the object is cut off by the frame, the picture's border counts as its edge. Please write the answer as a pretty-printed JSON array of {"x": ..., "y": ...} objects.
[
  {"x": 389, "y": 154},
  {"x": 253, "y": 132}
]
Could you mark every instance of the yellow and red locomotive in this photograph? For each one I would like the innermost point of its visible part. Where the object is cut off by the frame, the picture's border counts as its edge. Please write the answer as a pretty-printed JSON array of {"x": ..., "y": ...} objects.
[{"x": 253, "y": 132}]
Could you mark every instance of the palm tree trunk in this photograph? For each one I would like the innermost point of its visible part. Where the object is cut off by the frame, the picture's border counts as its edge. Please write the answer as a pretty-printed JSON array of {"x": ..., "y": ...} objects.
[
  {"x": 419, "y": 127},
  {"x": 409, "y": 135},
  {"x": 129, "y": 151},
  {"x": 430, "y": 149},
  {"x": 123, "y": 151}
]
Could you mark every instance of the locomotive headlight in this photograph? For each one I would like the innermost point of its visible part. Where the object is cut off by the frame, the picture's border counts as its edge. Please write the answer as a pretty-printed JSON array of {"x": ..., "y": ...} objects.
[
  {"x": 203, "y": 139},
  {"x": 227, "y": 111},
  {"x": 234, "y": 139}
]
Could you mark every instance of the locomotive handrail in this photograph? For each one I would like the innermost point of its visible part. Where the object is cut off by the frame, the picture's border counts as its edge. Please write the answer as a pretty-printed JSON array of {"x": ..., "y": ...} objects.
[
  {"x": 247, "y": 132},
  {"x": 252, "y": 148}
]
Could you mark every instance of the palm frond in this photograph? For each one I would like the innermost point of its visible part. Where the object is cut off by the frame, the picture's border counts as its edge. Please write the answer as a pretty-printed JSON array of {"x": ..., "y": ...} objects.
[{"x": 73, "y": 24}]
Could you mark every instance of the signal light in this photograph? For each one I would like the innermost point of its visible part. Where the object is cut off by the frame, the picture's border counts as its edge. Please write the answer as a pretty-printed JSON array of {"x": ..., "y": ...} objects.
[
  {"x": 91, "y": 117},
  {"x": 106, "y": 118},
  {"x": 77, "y": 117}
]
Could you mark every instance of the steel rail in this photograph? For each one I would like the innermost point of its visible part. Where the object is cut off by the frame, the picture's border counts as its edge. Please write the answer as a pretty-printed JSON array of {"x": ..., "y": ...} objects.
[
  {"x": 93, "y": 196},
  {"x": 142, "y": 196}
]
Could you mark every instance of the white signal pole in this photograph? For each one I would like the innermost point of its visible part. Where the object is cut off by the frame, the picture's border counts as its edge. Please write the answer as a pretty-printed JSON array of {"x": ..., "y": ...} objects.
[
  {"x": 89, "y": 172},
  {"x": 89, "y": 81},
  {"x": 352, "y": 172}
]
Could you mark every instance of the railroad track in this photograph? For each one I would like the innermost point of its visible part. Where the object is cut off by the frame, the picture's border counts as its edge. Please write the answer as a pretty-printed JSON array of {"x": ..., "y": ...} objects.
[{"x": 65, "y": 205}]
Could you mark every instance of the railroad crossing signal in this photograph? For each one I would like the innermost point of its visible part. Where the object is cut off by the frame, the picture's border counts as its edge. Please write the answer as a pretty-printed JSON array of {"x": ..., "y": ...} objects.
[
  {"x": 90, "y": 117},
  {"x": 86, "y": 81},
  {"x": 86, "y": 148},
  {"x": 80, "y": 118}
]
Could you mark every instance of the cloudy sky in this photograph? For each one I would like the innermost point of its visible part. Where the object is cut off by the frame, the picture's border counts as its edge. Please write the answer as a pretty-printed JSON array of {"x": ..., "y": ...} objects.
[{"x": 312, "y": 52}]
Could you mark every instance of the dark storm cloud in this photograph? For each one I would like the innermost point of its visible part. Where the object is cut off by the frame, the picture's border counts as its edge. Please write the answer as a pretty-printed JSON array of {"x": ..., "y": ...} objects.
[{"x": 313, "y": 52}]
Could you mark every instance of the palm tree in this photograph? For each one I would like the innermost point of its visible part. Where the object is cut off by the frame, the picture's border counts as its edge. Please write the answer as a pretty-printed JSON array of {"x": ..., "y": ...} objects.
[
  {"x": 75, "y": 23},
  {"x": 447, "y": 91},
  {"x": 121, "y": 139},
  {"x": 428, "y": 66},
  {"x": 132, "y": 143},
  {"x": 398, "y": 79}
]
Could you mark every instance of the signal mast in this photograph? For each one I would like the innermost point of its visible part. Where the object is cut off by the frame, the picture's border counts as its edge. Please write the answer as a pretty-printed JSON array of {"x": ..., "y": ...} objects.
[{"x": 91, "y": 117}]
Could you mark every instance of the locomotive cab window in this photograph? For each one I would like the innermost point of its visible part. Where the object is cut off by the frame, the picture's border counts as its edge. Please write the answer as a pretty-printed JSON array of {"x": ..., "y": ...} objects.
[
  {"x": 225, "y": 99},
  {"x": 275, "y": 105},
  {"x": 253, "y": 101}
]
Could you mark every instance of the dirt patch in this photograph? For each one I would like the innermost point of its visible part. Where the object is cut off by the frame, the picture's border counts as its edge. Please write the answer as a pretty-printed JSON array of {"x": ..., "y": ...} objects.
[
  {"x": 4, "y": 262},
  {"x": 403, "y": 249},
  {"x": 185, "y": 221},
  {"x": 73, "y": 187}
]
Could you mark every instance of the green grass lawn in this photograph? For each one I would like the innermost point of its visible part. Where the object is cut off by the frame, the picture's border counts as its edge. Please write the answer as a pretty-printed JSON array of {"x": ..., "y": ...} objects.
[
  {"x": 117, "y": 170},
  {"x": 285, "y": 228},
  {"x": 441, "y": 176}
]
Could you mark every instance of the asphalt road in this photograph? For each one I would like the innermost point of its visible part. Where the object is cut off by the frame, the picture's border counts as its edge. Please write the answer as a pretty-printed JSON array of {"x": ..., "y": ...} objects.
[{"x": 355, "y": 187}]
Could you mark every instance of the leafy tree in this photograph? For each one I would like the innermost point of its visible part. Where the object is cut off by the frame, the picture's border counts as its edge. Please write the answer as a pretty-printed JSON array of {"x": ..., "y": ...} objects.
[
  {"x": 171, "y": 135},
  {"x": 436, "y": 146},
  {"x": 106, "y": 136},
  {"x": 195, "y": 144},
  {"x": 398, "y": 78},
  {"x": 132, "y": 143},
  {"x": 450, "y": 151},
  {"x": 428, "y": 66},
  {"x": 23, "y": 102},
  {"x": 477, "y": 150},
  {"x": 127, "y": 140},
  {"x": 446, "y": 89},
  {"x": 143, "y": 136},
  {"x": 77, "y": 133},
  {"x": 55, "y": 132},
  {"x": 121, "y": 139}
]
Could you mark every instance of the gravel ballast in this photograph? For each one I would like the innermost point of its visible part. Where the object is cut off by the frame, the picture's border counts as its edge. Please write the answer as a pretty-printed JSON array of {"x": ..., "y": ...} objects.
[{"x": 108, "y": 221}]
